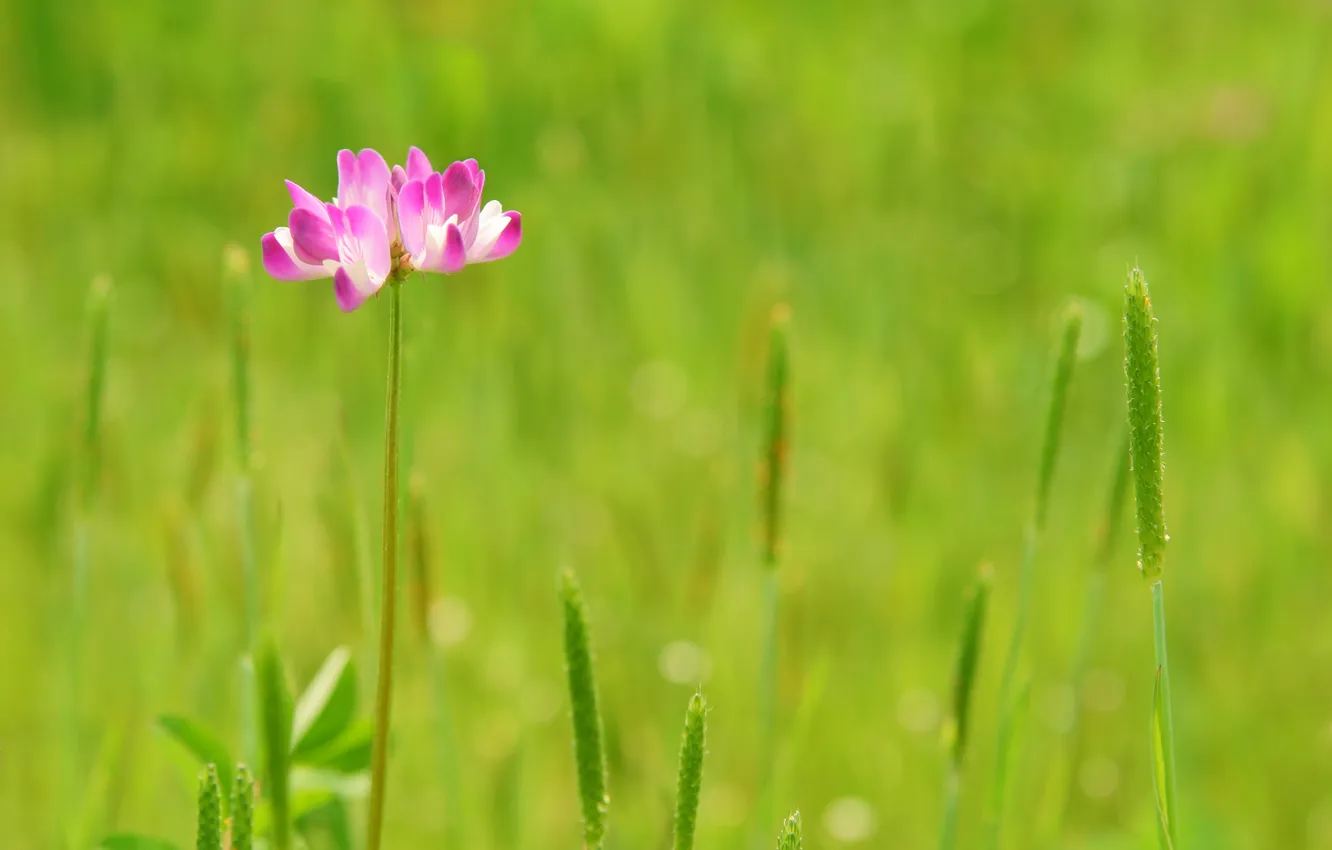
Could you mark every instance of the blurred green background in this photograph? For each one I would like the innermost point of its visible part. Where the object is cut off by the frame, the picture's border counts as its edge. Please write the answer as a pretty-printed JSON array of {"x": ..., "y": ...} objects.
[{"x": 926, "y": 184}]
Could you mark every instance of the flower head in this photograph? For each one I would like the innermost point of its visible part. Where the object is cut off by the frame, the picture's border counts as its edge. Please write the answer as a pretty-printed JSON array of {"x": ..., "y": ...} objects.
[{"x": 385, "y": 223}]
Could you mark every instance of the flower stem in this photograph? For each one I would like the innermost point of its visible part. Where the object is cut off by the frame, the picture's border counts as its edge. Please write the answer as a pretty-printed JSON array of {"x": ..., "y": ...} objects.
[
  {"x": 388, "y": 595},
  {"x": 1167, "y": 714}
]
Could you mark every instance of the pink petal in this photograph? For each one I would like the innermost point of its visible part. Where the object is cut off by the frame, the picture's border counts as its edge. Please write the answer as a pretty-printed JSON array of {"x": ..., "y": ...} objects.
[
  {"x": 349, "y": 295},
  {"x": 411, "y": 206},
  {"x": 471, "y": 220},
  {"x": 367, "y": 229},
  {"x": 459, "y": 191},
  {"x": 281, "y": 265},
  {"x": 374, "y": 182},
  {"x": 472, "y": 167},
  {"x": 397, "y": 179},
  {"x": 349, "y": 177},
  {"x": 509, "y": 239},
  {"x": 418, "y": 164},
  {"x": 434, "y": 198},
  {"x": 455, "y": 255},
  {"x": 338, "y": 219},
  {"x": 303, "y": 200},
  {"x": 312, "y": 236}
]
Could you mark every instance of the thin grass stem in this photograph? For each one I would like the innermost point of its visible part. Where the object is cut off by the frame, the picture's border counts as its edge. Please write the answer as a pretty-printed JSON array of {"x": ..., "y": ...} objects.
[{"x": 388, "y": 592}]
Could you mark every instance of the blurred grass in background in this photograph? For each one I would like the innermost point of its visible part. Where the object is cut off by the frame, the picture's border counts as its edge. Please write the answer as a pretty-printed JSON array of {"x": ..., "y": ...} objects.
[{"x": 926, "y": 184}]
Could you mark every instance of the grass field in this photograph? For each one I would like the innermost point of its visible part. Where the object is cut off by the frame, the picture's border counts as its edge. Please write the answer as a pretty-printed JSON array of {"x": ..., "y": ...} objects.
[{"x": 927, "y": 186}]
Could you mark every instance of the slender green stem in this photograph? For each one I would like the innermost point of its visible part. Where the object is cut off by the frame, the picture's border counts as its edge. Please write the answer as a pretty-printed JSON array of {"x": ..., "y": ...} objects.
[
  {"x": 767, "y": 697},
  {"x": 1167, "y": 714},
  {"x": 388, "y": 594},
  {"x": 952, "y": 792},
  {"x": 236, "y": 265}
]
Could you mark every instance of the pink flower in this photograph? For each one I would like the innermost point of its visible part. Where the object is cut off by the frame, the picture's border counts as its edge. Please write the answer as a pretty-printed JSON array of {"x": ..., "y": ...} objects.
[
  {"x": 443, "y": 224},
  {"x": 385, "y": 223}
]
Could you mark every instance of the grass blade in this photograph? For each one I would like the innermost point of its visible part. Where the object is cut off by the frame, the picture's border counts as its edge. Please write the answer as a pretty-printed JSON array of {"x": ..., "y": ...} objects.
[
  {"x": 209, "y": 834},
  {"x": 690, "y": 781},
  {"x": 275, "y": 715},
  {"x": 772, "y": 474},
  {"x": 1062, "y": 377},
  {"x": 589, "y": 755},
  {"x": 327, "y": 706},
  {"x": 1160, "y": 779},
  {"x": 964, "y": 681},
  {"x": 201, "y": 742}
]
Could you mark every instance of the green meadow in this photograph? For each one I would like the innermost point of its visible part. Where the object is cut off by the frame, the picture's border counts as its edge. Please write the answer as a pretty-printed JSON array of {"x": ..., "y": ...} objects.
[{"x": 923, "y": 194}]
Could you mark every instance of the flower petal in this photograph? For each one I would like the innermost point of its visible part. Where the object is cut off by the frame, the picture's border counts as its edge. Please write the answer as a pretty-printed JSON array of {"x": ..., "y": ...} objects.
[
  {"x": 374, "y": 182},
  {"x": 349, "y": 292},
  {"x": 490, "y": 223},
  {"x": 455, "y": 255},
  {"x": 280, "y": 262},
  {"x": 434, "y": 199},
  {"x": 303, "y": 200},
  {"x": 418, "y": 164},
  {"x": 349, "y": 178},
  {"x": 312, "y": 236},
  {"x": 509, "y": 238},
  {"x": 397, "y": 178},
  {"x": 460, "y": 191},
  {"x": 472, "y": 167},
  {"x": 368, "y": 229},
  {"x": 411, "y": 205}
]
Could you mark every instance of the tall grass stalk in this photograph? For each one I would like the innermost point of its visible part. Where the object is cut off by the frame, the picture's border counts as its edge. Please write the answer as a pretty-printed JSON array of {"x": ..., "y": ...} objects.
[
  {"x": 388, "y": 596},
  {"x": 772, "y": 474},
  {"x": 418, "y": 553},
  {"x": 690, "y": 781},
  {"x": 964, "y": 681},
  {"x": 1063, "y": 374},
  {"x": 589, "y": 754},
  {"x": 89, "y": 454},
  {"x": 275, "y": 711},
  {"x": 236, "y": 265},
  {"x": 1089, "y": 627},
  {"x": 1147, "y": 449}
]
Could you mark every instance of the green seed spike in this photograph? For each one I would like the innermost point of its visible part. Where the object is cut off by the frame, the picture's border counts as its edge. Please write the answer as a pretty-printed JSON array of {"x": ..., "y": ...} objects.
[
  {"x": 691, "y": 772},
  {"x": 210, "y": 810},
  {"x": 1146, "y": 438},
  {"x": 774, "y": 460},
  {"x": 242, "y": 810},
  {"x": 1068, "y": 352},
  {"x": 99, "y": 298},
  {"x": 790, "y": 837},
  {"x": 968, "y": 659},
  {"x": 589, "y": 755},
  {"x": 275, "y": 714}
]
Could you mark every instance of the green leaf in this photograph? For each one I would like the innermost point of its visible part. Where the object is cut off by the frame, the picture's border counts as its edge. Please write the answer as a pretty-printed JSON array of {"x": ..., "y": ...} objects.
[
  {"x": 1159, "y": 778},
  {"x": 129, "y": 841},
  {"x": 348, "y": 753},
  {"x": 327, "y": 706},
  {"x": 202, "y": 743},
  {"x": 352, "y": 786}
]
